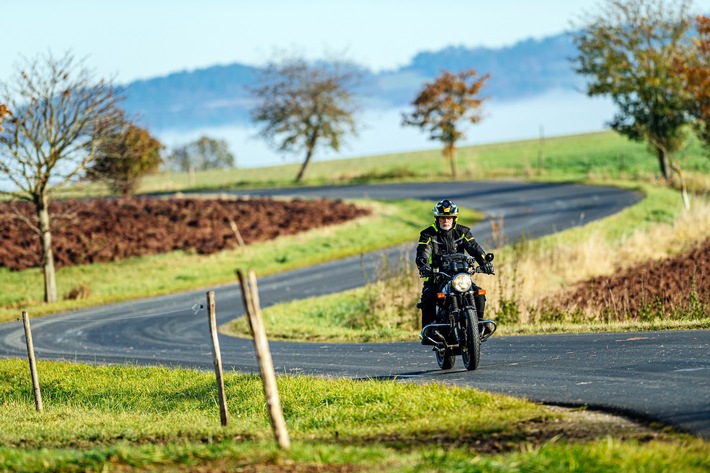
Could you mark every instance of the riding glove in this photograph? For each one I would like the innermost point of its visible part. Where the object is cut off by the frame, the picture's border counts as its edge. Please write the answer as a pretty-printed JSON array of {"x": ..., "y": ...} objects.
[{"x": 487, "y": 267}]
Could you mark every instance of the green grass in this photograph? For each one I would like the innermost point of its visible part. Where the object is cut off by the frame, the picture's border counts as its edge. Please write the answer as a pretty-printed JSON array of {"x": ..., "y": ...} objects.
[
  {"x": 392, "y": 223},
  {"x": 601, "y": 155},
  {"x": 133, "y": 418},
  {"x": 124, "y": 418}
]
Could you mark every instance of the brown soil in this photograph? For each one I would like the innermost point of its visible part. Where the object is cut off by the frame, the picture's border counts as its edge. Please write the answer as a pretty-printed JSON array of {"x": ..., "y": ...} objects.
[
  {"x": 90, "y": 231},
  {"x": 653, "y": 287}
]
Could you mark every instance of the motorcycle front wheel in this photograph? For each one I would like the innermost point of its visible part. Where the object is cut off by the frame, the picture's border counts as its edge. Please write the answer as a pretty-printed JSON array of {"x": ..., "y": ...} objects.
[
  {"x": 446, "y": 360},
  {"x": 471, "y": 350}
]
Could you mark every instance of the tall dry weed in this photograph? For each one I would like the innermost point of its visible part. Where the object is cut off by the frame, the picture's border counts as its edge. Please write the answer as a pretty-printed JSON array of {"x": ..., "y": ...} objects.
[
  {"x": 391, "y": 295},
  {"x": 529, "y": 272}
]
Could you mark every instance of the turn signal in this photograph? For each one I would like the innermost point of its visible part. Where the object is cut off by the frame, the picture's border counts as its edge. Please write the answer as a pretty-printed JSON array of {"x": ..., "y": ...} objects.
[
  {"x": 440, "y": 295},
  {"x": 481, "y": 292}
]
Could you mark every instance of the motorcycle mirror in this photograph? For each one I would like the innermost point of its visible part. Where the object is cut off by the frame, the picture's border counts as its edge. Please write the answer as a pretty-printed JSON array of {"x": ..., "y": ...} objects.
[{"x": 489, "y": 257}]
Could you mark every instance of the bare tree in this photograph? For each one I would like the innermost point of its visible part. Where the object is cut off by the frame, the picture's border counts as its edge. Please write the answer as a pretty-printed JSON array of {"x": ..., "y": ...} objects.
[
  {"x": 304, "y": 106},
  {"x": 3, "y": 112},
  {"x": 60, "y": 115},
  {"x": 202, "y": 154},
  {"x": 444, "y": 105}
]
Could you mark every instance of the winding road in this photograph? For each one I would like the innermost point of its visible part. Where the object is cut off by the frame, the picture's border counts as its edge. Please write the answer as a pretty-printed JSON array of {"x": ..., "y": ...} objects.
[{"x": 656, "y": 376}]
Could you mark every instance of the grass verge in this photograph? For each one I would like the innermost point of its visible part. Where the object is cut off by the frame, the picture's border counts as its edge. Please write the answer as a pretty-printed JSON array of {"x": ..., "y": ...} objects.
[
  {"x": 113, "y": 418},
  {"x": 528, "y": 275}
]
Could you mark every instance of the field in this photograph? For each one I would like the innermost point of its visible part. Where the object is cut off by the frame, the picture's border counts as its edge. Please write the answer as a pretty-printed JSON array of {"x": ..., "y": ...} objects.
[
  {"x": 648, "y": 290},
  {"x": 594, "y": 156},
  {"x": 150, "y": 275},
  {"x": 127, "y": 418},
  {"x": 99, "y": 419},
  {"x": 102, "y": 230}
]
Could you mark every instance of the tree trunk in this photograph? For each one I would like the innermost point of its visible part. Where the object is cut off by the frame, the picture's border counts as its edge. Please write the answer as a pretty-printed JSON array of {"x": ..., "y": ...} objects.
[
  {"x": 302, "y": 171},
  {"x": 454, "y": 167},
  {"x": 663, "y": 163},
  {"x": 450, "y": 152},
  {"x": 50, "y": 284},
  {"x": 683, "y": 188}
]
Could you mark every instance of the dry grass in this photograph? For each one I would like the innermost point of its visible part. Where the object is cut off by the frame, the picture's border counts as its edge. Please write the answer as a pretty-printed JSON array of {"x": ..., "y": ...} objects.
[{"x": 530, "y": 272}]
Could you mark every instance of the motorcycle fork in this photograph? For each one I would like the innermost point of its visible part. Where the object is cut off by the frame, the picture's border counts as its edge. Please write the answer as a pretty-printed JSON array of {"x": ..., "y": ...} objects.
[
  {"x": 467, "y": 302},
  {"x": 456, "y": 322},
  {"x": 454, "y": 310},
  {"x": 485, "y": 327},
  {"x": 470, "y": 303}
]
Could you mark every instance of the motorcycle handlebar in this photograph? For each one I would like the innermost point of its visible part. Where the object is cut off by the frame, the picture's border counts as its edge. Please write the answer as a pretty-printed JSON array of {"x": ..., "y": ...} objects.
[
  {"x": 477, "y": 269},
  {"x": 469, "y": 259},
  {"x": 431, "y": 273}
]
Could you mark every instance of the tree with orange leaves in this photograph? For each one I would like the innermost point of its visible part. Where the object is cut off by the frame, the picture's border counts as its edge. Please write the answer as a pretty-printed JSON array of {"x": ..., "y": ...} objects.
[
  {"x": 124, "y": 157},
  {"x": 695, "y": 71},
  {"x": 628, "y": 52},
  {"x": 443, "y": 106}
]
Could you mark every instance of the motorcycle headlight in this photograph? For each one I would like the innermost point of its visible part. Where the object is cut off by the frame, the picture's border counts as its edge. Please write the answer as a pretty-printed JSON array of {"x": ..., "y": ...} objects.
[{"x": 461, "y": 282}]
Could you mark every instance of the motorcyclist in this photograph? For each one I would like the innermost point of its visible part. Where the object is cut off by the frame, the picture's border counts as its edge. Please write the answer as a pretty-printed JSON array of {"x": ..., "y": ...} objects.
[{"x": 445, "y": 236}]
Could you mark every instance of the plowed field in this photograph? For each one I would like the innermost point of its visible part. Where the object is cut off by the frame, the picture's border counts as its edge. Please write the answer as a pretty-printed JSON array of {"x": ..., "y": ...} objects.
[
  {"x": 101, "y": 230},
  {"x": 649, "y": 289}
]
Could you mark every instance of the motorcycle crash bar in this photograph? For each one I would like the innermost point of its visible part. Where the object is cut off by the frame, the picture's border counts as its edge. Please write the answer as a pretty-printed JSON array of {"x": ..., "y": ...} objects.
[{"x": 434, "y": 330}]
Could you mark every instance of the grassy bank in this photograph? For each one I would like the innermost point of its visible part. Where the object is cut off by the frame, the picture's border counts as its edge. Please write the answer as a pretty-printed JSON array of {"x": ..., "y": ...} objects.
[
  {"x": 603, "y": 155},
  {"x": 528, "y": 275},
  {"x": 137, "y": 419}
]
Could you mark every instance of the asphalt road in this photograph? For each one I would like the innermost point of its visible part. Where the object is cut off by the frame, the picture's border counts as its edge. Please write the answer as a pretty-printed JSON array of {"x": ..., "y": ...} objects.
[{"x": 657, "y": 376}]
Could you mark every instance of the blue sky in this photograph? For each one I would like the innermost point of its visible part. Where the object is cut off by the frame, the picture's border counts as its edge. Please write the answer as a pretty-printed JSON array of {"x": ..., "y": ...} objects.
[{"x": 137, "y": 39}]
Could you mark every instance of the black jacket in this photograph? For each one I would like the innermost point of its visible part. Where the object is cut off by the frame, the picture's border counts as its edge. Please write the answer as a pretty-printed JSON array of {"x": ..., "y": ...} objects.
[{"x": 434, "y": 242}]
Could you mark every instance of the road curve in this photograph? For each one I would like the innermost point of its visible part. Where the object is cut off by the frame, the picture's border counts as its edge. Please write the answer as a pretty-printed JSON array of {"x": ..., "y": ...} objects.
[{"x": 659, "y": 376}]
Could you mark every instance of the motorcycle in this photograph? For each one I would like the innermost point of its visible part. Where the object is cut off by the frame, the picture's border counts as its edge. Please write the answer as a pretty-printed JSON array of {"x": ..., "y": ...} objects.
[{"x": 458, "y": 329}]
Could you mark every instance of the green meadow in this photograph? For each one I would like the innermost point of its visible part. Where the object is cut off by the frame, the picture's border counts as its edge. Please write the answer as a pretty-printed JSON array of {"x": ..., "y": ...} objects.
[{"x": 130, "y": 418}]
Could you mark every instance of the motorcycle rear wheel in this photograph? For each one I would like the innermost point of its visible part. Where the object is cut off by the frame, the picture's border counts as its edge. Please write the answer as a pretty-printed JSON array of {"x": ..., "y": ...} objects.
[
  {"x": 446, "y": 361},
  {"x": 471, "y": 352}
]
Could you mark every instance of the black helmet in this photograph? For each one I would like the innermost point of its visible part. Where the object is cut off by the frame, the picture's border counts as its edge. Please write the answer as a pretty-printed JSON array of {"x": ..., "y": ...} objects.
[{"x": 445, "y": 208}]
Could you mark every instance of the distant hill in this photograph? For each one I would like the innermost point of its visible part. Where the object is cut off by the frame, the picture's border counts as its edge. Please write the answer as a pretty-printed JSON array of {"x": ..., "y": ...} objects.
[{"x": 217, "y": 95}]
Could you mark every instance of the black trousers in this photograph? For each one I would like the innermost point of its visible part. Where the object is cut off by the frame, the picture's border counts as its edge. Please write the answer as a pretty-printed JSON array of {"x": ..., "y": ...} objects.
[
  {"x": 429, "y": 300},
  {"x": 429, "y": 303}
]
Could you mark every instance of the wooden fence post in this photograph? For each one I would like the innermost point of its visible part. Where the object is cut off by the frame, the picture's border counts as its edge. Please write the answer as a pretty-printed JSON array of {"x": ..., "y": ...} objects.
[
  {"x": 217, "y": 355},
  {"x": 33, "y": 363},
  {"x": 237, "y": 235},
  {"x": 250, "y": 295}
]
